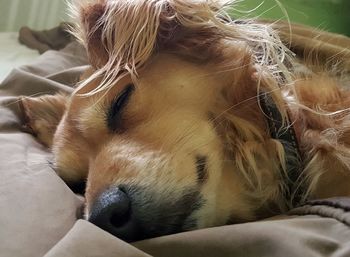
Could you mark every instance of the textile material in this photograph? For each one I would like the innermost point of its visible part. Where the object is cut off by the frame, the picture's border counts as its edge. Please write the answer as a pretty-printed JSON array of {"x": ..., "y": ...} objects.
[{"x": 54, "y": 39}]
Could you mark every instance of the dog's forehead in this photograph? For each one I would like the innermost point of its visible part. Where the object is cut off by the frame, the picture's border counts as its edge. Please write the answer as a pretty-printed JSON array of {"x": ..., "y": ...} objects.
[
  {"x": 168, "y": 69},
  {"x": 165, "y": 80},
  {"x": 163, "y": 71}
]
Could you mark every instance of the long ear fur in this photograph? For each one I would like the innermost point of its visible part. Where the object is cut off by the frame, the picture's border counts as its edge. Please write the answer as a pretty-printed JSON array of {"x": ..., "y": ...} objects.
[
  {"x": 121, "y": 36},
  {"x": 88, "y": 29},
  {"x": 41, "y": 115}
]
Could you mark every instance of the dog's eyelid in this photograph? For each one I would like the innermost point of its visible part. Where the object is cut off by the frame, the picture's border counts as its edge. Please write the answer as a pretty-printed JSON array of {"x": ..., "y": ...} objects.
[
  {"x": 202, "y": 169},
  {"x": 117, "y": 106}
]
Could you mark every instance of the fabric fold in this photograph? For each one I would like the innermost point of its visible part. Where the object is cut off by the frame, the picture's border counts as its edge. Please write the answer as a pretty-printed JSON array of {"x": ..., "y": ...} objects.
[{"x": 87, "y": 240}]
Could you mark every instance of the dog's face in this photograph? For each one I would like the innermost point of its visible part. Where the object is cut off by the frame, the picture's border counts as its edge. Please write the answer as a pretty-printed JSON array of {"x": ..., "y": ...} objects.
[
  {"x": 177, "y": 146},
  {"x": 153, "y": 141}
]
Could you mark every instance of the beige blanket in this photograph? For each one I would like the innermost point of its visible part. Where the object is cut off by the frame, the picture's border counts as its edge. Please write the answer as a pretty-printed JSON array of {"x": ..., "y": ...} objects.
[{"x": 40, "y": 215}]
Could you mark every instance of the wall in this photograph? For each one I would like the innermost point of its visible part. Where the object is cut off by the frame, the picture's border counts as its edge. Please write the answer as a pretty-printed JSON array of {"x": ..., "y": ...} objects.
[
  {"x": 37, "y": 14},
  {"x": 331, "y": 15}
]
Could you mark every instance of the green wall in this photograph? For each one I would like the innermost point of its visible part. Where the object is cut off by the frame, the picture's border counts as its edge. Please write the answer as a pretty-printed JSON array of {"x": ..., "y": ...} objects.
[{"x": 331, "y": 15}]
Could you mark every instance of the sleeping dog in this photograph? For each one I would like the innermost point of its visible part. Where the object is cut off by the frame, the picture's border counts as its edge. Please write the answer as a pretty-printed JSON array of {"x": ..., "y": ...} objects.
[{"x": 189, "y": 119}]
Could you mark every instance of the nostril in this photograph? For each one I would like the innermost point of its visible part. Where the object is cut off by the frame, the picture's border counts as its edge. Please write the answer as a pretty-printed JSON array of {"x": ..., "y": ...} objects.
[{"x": 121, "y": 216}]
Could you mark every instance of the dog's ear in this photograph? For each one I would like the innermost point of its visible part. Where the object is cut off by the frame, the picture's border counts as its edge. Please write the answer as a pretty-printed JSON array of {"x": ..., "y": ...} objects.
[
  {"x": 127, "y": 33},
  {"x": 89, "y": 29},
  {"x": 41, "y": 115}
]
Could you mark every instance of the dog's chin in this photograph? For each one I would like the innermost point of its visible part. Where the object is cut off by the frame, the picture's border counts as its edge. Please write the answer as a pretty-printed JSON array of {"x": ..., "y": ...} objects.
[{"x": 135, "y": 213}]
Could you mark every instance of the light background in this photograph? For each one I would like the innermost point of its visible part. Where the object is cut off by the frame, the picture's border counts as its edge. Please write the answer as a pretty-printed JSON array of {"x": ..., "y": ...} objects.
[{"x": 37, "y": 14}]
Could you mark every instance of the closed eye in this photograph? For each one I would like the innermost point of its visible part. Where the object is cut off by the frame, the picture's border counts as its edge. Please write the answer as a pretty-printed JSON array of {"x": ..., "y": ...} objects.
[
  {"x": 114, "y": 114},
  {"x": 202, "y": 169}
]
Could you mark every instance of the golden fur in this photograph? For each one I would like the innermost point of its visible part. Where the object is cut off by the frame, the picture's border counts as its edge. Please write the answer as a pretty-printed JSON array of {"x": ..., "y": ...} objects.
[{"x": 197, "y": 75}]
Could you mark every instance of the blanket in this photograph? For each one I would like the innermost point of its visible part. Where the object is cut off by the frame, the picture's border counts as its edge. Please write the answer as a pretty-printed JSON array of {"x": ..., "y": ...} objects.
[
  {"x": 41, "y": 216},
  {"x": 44, "y": 40}
]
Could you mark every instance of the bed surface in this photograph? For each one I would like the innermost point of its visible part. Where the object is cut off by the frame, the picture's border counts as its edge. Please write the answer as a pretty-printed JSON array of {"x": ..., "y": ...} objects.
[{"x": 13, "y": 54}]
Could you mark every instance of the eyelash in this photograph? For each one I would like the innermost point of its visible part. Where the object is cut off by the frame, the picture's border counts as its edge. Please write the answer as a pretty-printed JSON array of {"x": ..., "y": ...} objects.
[{"x": 118, "y": 104}]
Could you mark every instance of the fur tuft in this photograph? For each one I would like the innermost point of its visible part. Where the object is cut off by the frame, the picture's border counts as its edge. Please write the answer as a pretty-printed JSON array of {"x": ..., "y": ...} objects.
[{"x": 130, "y": 32}]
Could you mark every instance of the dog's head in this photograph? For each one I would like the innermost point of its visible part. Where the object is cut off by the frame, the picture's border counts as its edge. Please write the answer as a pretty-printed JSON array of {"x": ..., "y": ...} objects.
[{"x": 166, "y": 127}]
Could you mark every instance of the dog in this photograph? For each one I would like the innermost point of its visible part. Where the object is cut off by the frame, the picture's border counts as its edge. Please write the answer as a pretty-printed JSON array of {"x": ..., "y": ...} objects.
[{"x": 188, "y": 119}]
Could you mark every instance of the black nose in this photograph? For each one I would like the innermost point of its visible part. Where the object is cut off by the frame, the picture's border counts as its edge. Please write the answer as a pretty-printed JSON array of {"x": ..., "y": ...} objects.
[{"x": 112, "y": 212}]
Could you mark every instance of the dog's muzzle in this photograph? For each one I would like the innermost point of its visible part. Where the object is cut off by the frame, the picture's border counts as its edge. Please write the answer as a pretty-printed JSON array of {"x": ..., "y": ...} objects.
[{"x": 134, "y": 214}]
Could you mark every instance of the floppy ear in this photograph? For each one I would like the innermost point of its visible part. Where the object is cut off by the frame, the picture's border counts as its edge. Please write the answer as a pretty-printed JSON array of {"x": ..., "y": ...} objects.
[
  {"x": 128, "y": 32},
  {"x": 41, "y": 115},
  {"x": 89, "y": 29}
]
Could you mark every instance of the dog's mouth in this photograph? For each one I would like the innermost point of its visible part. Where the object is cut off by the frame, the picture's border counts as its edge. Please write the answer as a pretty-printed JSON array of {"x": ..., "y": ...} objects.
[{"x": 134, "y": 213}]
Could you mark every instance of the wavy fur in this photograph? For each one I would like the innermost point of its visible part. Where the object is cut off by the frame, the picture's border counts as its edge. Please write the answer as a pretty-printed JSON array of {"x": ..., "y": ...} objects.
[{"x": 132, "y": 31}]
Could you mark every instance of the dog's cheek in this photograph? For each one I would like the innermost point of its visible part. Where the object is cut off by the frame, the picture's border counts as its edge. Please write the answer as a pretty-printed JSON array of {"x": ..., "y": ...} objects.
[{"x": 71, "y": 153}]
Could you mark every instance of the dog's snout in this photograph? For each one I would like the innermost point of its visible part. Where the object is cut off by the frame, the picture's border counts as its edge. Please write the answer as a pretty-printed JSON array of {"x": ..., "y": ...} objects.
[
  {"x": 135, "y": 213},
  {"x": 112, "y": 212}
]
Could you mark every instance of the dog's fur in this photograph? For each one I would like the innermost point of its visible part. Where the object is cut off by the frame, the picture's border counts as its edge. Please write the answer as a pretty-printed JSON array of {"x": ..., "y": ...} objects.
[{"x": 193, "y": 122}]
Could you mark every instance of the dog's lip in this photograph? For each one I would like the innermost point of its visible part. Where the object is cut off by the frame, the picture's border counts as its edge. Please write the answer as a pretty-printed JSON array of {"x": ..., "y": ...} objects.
[{"x": 173, "y": 217}]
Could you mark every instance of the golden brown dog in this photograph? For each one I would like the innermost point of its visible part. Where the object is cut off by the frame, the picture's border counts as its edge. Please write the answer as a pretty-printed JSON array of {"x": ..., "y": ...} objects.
[{"x": 169, "y": 127}]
